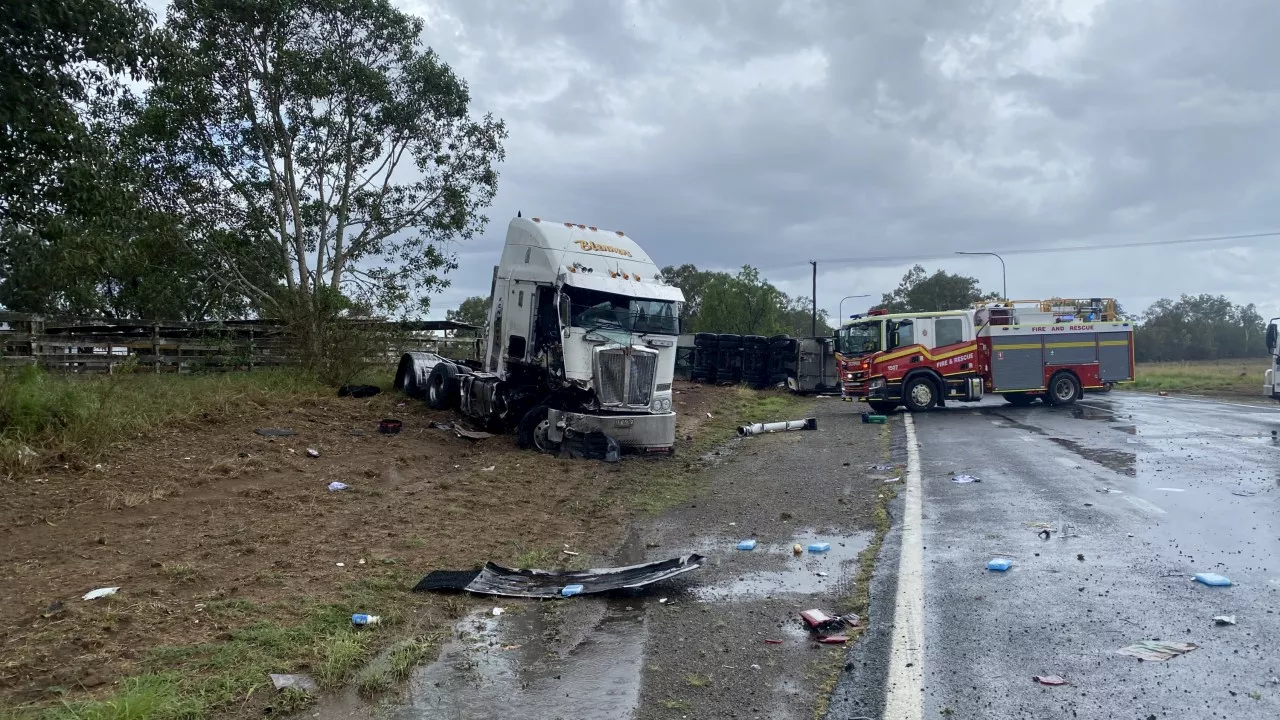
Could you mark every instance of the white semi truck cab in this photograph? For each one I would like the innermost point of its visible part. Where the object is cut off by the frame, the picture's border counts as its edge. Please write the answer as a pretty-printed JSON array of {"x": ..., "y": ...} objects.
[
  {"x": 581, "y": 337},
  {"x": 1271, "y": 379}
]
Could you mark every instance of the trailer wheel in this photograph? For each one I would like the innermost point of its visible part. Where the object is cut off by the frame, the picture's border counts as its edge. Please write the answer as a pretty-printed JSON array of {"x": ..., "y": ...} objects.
[
  {"x": 442, "y": 386},
  {"x": 1019, "y": 399},
  {"x": 1064, "y": 389},
  {"x": 882, "y": 407},
  {"x": 920, "y": 394},
  {"x": 531, "y": 433}
]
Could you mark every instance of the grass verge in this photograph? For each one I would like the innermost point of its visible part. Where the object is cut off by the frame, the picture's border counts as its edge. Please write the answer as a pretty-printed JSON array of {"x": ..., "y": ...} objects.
[
  {"x": 670, "y": 483},
  {"x": 1237, "y": 378},
  {"x": 75, "y": 419}
]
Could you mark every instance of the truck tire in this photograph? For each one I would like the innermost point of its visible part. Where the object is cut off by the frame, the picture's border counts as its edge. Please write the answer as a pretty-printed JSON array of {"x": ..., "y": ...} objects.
[
  {"x": 442, "y": 387},
  {"x": 882, "y": 407},
  {"x": 1019, "y": 399},
  {"x": 531, "y": 432},
  {"x": 1064, "y": 389},
  {"x": 920, "y": 394}
]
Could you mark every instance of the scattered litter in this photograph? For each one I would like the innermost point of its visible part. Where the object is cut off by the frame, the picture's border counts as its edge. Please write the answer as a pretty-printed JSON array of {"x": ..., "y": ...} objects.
[
  {"x": 510, "y": 647},
  {"x": 710, "y": 416},
  {"x": 360, "y": 561},
  {"x": 491, "y": 468},
  {"x": 773, "y": 642},
  {"x": 1080, "y": 557},
  {"x": 569, "y": 552},
  {"x": 340, "y": 564},
  {"x": 1213, "y": 579},
  {"x": 498, "y": 611},
  {"x": 820, "y": 622},
  {"x": 1044, "y": 534},
  {"x": 336, "y": 486},
  {"x": 570, "y": 590},
  {"x": 1244, "y": 493},
  {"x": 471, "y": 434},
  {"x": 662, "y": 601},
  {"x": 1049, "y": 679},
  {"x": 797, "y": 549},
  {"x": 999, "y": 564},
  {"x": 100, "y": 593},
  {"x": 833, "y": 639},
  {"x": 1224, "y": 619},
  {"x": 819, "y": 547},
  {"x": 362, "y": 619},
  {"x": 753, "y": 667},
  {"x": 964, "y": 479},
  {"x": 892, "y": 480},
  {"x": 749, "y": 544},
  {"x": 874, "y": 419},
  {"x": 1163, "y": 393},
  {"x": 781, "y": 426},
  {"x": 1157, "y": 650},
  {"x": 402, "y": 404},
  {"x": 1107, "y": 490},
  {"x": 297, "y": 682},
  {"x": 1130, "y": 534},
  {"x": 1172, "y": 489},
  {"x": 881, "y": 468},
  {"x": 1042, "y": 525},
  {"x": 275, "y": 432},
  {"x": 437, "y": 425},
  {"x": 312, "y": 452},
  {"x": 389, "y": 426},
  {"x": 497, "y": 580},
  {"x": 359, "y": 391},
  {"x": 821, "y": 574}
]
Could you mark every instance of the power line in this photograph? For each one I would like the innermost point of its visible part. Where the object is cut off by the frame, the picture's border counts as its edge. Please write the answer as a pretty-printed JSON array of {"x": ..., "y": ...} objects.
[{"x": 888, "y": 259}]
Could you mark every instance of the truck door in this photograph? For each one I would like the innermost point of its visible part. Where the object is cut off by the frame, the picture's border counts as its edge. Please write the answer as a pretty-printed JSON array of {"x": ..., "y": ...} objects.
[{"x": 517, "y": 321}]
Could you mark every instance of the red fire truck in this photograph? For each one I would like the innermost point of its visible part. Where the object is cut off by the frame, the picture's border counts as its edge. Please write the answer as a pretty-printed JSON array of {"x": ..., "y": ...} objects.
[{"x": 1053, "y": 350}]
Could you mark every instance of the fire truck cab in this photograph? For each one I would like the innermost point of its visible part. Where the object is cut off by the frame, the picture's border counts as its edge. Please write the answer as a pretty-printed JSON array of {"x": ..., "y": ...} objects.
[{"x": 1052, "y": 350}]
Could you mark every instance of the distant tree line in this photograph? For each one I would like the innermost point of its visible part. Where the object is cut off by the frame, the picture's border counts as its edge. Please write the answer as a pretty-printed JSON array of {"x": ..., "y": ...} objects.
[
  {"x": 744, "y": 303},
  {"x": 1199, "y": 327}
]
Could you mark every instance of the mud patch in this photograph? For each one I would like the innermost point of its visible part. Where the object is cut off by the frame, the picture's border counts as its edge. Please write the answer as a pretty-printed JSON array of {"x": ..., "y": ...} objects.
[
  {"x": 579, "y": 659},
  {"x": 1121, "y": 462}
]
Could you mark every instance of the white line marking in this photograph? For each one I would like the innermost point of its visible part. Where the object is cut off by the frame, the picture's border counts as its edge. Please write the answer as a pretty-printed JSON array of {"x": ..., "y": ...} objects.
[
  {"x": 904, "y": 691},
  {"x": 1260, "y": 408},
  {"x": 1172, "y": 489},
  {"x": 1144, "y": 505}
]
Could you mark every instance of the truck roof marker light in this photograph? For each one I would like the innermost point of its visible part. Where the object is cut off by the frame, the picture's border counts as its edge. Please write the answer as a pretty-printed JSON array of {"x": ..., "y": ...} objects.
[
  {"x": 593, "y": 228},
  {"x": 582, "y": 227},
  {"x": 619, "y": 233},
  {"x": 537, "y": 219},
  {"x": 573, "y": 269},
  {"x": 625, "y": 276},
  {"x": 568, "y": 224}
]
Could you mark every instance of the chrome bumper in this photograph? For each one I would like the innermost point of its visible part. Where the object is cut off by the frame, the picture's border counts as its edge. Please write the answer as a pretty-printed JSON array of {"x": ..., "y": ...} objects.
[{"x": 643, "y": 432}]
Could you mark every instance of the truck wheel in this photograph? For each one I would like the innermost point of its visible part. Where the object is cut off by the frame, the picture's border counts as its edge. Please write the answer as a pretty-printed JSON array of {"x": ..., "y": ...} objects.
[
  {"x": 442, "y": 386},
  {"x": 920, "y": 394},
  {"x": 1064, "y": 389},
  {"x": 882, "y": 407},
  {"x": 531, "y": 433},
  {"x": 1019, "y": 399}
]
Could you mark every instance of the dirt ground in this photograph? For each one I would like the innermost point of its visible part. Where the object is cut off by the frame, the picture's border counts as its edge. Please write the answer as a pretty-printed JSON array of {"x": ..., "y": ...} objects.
[{"x": 209, "y": 527}]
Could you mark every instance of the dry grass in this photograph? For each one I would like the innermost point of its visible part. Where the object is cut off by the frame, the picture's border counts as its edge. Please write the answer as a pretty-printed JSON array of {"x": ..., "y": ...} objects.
[{"x": 1238, "y": 378}]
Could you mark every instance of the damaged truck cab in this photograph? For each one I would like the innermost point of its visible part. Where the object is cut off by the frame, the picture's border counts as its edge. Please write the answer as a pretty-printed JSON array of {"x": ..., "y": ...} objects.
[{"x": 580, "y": 338}]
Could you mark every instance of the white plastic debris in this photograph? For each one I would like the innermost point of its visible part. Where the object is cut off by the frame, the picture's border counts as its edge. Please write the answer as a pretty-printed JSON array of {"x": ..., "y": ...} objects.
[
  {"x": 336, "y": 486},
  {"x": 298, "y": 682},
  {"x": 1224, "y": 619},
  {"x": 491, "y": 468},
  {"x": 100, "y": 593},
  {"x": 312, "y": 452},
  {"x": 964, "y": 479},
  {"x": 340, "y": 564},
  {"x": 498, "y": 611}
]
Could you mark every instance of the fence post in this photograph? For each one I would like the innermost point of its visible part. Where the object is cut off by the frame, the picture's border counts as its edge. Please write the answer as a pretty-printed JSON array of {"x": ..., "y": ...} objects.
[
  {"x": 155, "y": 348},
  {"x": 251, "y": 349}
]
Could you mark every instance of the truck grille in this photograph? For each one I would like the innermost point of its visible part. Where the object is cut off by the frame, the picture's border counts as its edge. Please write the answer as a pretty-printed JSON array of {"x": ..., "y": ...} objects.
[{"x": 625, "y": 378}]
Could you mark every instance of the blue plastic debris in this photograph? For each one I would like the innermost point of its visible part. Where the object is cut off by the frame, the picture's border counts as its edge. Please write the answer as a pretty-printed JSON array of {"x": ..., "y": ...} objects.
[
  {"x": 819, "y": 547},
  {"x": 1213, "y": 579},
  {"x": 999, "y": 564},
  {"x": 570, "y": 590},
  {"x": 749, "y": 544}
]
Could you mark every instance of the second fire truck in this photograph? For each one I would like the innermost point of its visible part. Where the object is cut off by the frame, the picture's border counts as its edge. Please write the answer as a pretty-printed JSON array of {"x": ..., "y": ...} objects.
[{"x": 1053, "y": 350}]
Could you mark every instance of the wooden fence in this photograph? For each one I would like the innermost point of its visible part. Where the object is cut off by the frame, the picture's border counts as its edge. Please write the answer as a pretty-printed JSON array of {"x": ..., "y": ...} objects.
[{"x": 97, "y": 345}]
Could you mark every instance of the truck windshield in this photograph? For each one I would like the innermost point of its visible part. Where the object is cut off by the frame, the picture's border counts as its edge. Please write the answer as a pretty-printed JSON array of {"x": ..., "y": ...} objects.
[
  {"x": 596, "y": 310},
  {"x": 859, "y": 339}
]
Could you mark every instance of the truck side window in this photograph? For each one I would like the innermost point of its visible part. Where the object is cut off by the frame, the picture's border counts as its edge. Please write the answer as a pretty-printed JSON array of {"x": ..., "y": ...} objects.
[
  {"x": 948, "y": 331},
  {"x": 905, "y": 334}
]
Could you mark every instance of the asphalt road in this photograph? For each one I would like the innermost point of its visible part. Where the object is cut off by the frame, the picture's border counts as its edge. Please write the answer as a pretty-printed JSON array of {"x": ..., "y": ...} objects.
[{"x": 1151, "y": 491}]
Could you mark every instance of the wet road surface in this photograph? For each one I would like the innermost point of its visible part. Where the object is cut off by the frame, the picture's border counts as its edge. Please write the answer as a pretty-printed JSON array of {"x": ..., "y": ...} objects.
[{"x": 1150, "y": 491}]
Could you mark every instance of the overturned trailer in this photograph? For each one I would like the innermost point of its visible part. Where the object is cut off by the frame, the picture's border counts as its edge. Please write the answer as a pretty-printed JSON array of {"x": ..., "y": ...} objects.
[{"x": 580, "y": 338}]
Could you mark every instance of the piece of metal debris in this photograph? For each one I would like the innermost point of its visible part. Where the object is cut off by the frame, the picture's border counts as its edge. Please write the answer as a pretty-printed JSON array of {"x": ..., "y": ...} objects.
[
  {"x": 470, "y": 434},
  {"x": 962, "y": 479},
  {"x": 1156, "y": 650},
  {"x": 101, "y": 593},
  {"x": 1224, "y": 619},
  {"x": 312, "y": 452},
  {"x": 495, "y": 579},
  {"x": 780, "y": 426},
  {"x": 1049, "y": 679}
]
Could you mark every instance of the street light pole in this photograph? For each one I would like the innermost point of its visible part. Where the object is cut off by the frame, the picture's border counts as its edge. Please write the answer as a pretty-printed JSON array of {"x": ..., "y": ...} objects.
[
  {"x": 814, "y": 332},
  {"x": 1004, "y": 280},
  {"x": 841, "y": 307}
]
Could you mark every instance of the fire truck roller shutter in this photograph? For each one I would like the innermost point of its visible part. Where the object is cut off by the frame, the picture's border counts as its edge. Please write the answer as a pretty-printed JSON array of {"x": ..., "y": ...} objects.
[
  {"x": 1017, "y": 362},
  {"x": 1113, "y": 356},
  {"x": 1071, "y": 349}
]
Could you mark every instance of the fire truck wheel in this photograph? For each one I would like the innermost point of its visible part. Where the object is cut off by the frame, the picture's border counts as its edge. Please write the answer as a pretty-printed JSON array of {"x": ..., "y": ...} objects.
[
  {"x": 882, "y": 407},
  {"x": 1019, "y": 399},
  {"x": 920, "y": 394},
  {"x": 1064, "y": 389}
]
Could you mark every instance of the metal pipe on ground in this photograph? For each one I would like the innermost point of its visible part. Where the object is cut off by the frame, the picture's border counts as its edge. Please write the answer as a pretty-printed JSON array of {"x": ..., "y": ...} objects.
[{"x": 782, "y": 426}]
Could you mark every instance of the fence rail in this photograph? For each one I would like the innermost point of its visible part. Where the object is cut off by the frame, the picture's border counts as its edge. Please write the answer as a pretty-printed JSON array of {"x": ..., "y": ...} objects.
[{"x": 101, "y": 346}]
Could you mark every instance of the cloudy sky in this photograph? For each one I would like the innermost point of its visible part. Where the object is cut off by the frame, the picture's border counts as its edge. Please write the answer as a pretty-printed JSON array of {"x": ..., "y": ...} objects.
[{"x": 724, "y": 132}]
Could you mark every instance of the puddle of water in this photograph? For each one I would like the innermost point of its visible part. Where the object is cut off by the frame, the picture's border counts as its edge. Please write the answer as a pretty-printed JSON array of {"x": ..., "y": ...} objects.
[
  {"x": 1121, "y": 462},
  {"x": 795, "y": 575},
  {"x": 1086, "y": 412},
  {"x": 542, "y": 660}
]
